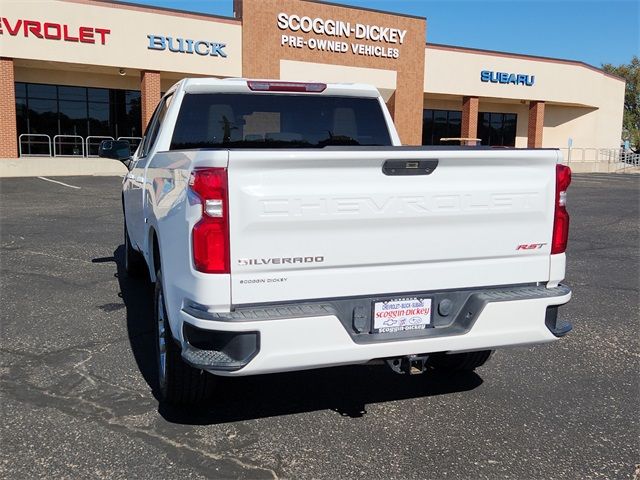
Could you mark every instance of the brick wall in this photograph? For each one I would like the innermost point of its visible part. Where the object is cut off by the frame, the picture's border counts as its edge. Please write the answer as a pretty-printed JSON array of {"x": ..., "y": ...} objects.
[
  {"x": 536, "y": 123},
  {"x": 262, "y": 51},
  {"x": 149, "y": 95},
  {"x": 8, "y": 129},
  {"x": 391, "y": 105},
  {"x": 469, "y": 127}
]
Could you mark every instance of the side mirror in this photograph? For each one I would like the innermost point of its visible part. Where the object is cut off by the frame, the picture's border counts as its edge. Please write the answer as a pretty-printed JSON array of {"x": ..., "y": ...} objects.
[{"x": 115, "y": 149}]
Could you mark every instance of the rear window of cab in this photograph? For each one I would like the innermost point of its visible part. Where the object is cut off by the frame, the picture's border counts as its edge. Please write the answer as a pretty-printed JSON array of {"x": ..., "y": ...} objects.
[{"x": 244, "y": 120}]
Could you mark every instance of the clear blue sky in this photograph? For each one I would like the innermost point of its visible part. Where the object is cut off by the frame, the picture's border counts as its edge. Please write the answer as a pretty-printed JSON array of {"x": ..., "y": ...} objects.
[{"x": 593, "y": 31}]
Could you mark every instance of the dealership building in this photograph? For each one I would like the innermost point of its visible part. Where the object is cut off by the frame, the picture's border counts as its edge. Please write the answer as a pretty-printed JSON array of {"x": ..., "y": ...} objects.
[{"x": 73, "y": 72}]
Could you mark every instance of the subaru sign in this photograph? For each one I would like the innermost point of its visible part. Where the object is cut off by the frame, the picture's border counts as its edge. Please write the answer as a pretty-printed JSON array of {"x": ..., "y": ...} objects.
[{"x": 504, "y": 77}]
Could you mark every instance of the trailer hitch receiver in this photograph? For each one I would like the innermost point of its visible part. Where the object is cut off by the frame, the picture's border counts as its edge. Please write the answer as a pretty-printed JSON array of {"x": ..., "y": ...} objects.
[{"x": 408, "y": 365}]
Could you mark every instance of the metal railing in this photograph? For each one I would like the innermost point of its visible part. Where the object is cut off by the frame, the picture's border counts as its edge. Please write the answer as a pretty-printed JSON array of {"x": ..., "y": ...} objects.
[
  {"x": 580, "y": 154},
  {"x": 611, "y": 159},
  {"x": 41, "y": 145},
  {"x": 30, "y": 143},
  {"x": 620, "y": 155},
  {"x": 59, "y": 142},
  {"x": 89, "y": 143},
  {"x": 606, "y": 159},
  {"x": 632, "y": 159}
]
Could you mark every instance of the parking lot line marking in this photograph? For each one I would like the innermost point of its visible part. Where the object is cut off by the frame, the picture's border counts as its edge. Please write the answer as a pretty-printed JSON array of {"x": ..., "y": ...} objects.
[{"x": 59, "y": 183}]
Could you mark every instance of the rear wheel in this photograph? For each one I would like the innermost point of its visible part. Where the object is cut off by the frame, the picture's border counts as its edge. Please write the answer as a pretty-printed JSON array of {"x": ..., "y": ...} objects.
[
  {"x": 133, "y": 260},
  {"x": 467, "y": 361},
  {"x": 178, "y": 382}
]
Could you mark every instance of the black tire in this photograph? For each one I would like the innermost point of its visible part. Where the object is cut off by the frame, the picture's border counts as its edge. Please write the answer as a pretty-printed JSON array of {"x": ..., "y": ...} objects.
[
  {"x": 134, "y": 263},
  {"x": 178, "y": 383},
  {"x": 467, "y": 361}
]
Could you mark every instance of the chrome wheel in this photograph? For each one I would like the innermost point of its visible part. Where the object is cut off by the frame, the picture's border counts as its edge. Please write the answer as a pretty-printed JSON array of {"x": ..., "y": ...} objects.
[
  {"x": 161, "y": 340},
  {"x": 178, "y": 382}
]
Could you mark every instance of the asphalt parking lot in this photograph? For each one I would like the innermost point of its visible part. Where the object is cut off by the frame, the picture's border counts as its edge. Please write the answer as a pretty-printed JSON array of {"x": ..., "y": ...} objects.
[{"x": 77, "y": 370}]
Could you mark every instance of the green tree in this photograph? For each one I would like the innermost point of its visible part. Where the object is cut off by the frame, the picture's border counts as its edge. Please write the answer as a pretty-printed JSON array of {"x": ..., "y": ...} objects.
[{"x": 631, "y": 120}]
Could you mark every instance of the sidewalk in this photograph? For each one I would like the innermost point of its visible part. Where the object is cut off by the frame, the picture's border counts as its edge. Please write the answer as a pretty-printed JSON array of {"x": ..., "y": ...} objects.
[{"x": 58, "y": 166}]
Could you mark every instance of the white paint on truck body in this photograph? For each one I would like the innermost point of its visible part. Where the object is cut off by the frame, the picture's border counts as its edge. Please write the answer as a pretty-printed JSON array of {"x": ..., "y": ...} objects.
[{"x": 367, "y": 234}]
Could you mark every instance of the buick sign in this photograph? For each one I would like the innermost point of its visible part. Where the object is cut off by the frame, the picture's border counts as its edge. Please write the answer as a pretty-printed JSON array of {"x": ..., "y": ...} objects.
[
  {"x": 181, "y": 45},
  {"x": 503, "y": 77}
]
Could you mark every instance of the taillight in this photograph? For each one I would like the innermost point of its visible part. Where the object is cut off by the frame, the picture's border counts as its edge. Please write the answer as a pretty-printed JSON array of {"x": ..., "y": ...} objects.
[
  {"x": 561, "y": 218},
  {"x": 271, "y": 86},
  {"x": 210, "y": 236}
]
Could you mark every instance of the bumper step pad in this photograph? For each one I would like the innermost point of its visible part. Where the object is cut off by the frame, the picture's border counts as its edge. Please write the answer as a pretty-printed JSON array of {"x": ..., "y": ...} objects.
[{"x": 210, "y": 359}]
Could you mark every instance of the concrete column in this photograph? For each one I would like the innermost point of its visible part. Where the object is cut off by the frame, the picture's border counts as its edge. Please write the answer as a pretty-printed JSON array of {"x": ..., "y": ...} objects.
[
  {"x": 469, "y": 127},
  {"x": 536, "y": 122},
  {"x": 149, "y": 95},
  {"x": 8, "y": 127}
]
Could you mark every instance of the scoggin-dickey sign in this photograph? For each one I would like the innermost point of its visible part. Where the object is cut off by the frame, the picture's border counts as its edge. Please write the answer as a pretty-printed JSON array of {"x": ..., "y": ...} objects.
[{"x": 328, "y": 35}]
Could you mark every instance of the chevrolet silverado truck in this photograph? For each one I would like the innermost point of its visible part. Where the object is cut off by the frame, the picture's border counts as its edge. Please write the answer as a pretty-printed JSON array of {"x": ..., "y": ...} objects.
[{"x": 286, "y": 228}]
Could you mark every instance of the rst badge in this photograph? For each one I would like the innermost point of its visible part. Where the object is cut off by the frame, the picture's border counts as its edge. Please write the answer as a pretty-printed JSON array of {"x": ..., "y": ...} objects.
[{"x": 530, "y": 246}]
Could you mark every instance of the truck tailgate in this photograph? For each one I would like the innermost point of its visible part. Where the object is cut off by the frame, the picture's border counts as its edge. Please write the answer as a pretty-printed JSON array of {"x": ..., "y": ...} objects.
[{"x": 322, "y": 223}]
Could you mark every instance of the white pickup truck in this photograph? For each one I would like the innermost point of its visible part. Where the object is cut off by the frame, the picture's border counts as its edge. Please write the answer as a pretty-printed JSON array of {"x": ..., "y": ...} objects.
[{"x": 286, "y": 228}]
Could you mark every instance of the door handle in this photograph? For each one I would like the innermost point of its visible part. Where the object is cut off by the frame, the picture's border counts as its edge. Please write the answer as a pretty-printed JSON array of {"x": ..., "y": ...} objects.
[{"x": 409, "y": 167}]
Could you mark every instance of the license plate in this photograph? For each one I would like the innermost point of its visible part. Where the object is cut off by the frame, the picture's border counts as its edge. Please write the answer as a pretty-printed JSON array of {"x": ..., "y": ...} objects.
[{"x": 401, "y": 314}]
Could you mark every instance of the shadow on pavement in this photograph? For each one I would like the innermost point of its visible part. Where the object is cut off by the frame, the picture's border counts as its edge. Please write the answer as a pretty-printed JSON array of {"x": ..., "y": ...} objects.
[
  {"x": 137, "y": 295},
  {"x": 345, "y": 390}
]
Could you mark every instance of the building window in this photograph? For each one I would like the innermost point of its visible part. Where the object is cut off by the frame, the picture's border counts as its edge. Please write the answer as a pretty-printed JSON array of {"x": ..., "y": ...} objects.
[
  {"x": 497, "y": 129},
  {"x": 438, "y": 124},
  {"x": 67, "y": 110}
]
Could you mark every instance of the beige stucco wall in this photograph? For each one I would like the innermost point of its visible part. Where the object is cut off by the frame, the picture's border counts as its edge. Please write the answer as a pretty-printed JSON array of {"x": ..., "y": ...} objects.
[
  {"x": 126, "y": 45},
  {"x": 442, "y": 104},
  {"x": 582, "y": 103},
  {"x": 71, "y": 74},
  {"x": 383, "y": 80},
  {"x": 562, "y": 122},
  {"x": 86, "y": 75},
  {"x": 456, "y": 72}
]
